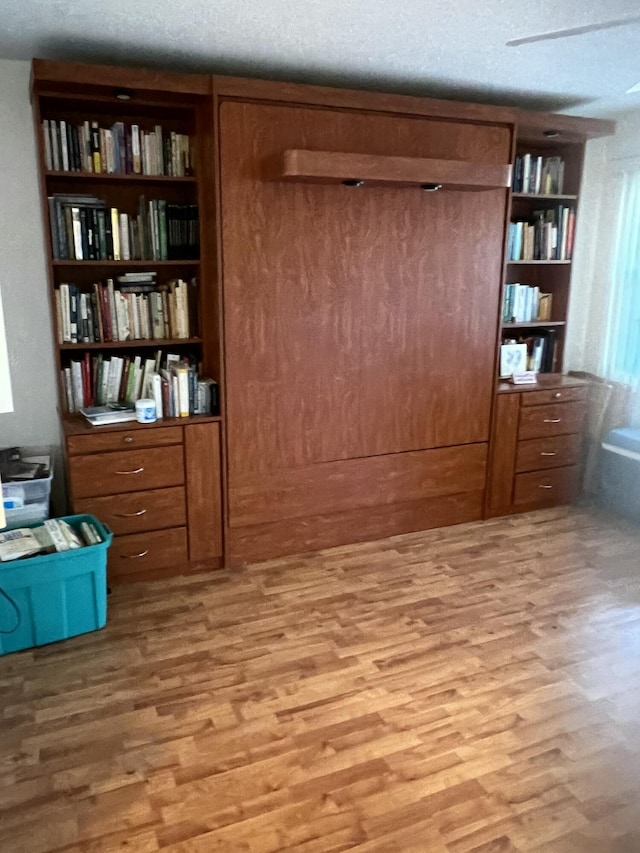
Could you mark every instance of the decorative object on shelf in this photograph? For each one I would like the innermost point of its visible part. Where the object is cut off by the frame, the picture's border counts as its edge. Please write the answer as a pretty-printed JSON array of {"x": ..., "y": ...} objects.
[{"x": 513, "y": 359}]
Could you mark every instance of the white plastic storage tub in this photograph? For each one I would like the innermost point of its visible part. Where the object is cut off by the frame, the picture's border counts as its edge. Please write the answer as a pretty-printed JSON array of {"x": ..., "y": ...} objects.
[
  {"x": 620, "y": 472},
  {"x": 27, "y": 501}
]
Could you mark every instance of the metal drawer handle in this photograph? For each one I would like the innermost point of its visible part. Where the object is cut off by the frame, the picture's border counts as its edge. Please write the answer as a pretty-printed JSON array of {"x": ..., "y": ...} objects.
[
  {"x": 544, "y": 487},
  {"x": 552, "y": 420},
  {"x": 135, "y": 471},
  {"x": 129, "y": 514},
  {"x": 548, "y": 453},
  {"x": 128, "y": 439},
  {"x": 135, "y": 556},
  {"x": 558, "y": 394}
]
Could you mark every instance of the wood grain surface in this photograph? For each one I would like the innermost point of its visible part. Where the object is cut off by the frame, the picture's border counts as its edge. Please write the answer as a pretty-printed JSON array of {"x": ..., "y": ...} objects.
[
  {"x": 202, "y": 473},
  {"x": 355, "y": 483},
  {"x": 337, "y": 166},
  {"x": 356, "y": 323},
  {"x": 99, "y": 474},
  {"x": 467, "y": 690},
  {"x": 504, "y": 442},
  {"x": 551, "y": 419}
]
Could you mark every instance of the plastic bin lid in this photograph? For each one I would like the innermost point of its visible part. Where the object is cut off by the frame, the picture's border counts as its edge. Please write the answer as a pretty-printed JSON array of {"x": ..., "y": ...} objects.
[{"x": 622, "y": 439}]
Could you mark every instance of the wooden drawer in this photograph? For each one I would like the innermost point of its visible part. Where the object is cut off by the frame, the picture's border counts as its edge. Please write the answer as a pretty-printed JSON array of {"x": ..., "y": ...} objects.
[
  {"x": 137, "y": 512},
  {"x": 554, "y": 395},
  {"x": 553, "y": 419},
  {"x": 141, "y": 553},
  {"x": 125, "y": 439},
  {"x": 552, "y": 452},
  {"x": 128, "y": 471},
  {"x": 546, "y": 488}
]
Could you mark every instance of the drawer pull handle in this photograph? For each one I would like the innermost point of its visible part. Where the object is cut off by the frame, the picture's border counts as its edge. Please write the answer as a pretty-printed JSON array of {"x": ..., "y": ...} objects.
[
  {"x": 548, "y": 453},
  {"x": 541, "y": 486},
  {"x": 135, "y": 556},
  {"x": 129, "y": 514},
  {"x": 558, "y": 394},
  {"x": 135, "y": 471},
  {"x": 552, "y": 420},
  {"x": 128, "y": 439}
]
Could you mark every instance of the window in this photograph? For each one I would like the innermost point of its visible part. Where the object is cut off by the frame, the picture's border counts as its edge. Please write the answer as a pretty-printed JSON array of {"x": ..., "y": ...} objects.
[{"x": 622, "y": 349}]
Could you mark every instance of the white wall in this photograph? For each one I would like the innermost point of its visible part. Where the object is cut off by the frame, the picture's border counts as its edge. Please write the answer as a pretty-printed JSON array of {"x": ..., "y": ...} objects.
[{"x": 23, "y": 280}]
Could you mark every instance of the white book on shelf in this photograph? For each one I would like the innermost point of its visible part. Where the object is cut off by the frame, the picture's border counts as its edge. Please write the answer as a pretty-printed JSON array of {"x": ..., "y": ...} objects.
[
  {"x": 66, "y": 318},
  {"x": 104, "y": 385},
  {"x": 115, "y": 375},
  {"x": 156, "y": 393},
  {"x": 64, "y": 148},
  {"x": 147, "y": 373},
  {"x": 123, "y": 224},
  {"x": 76, "y": 384},
  {"x": 77, "y": 234}
]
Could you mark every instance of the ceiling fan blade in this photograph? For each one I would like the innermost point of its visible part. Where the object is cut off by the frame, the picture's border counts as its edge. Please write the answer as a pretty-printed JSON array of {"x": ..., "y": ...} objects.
[{"x": 575, "y": 31}]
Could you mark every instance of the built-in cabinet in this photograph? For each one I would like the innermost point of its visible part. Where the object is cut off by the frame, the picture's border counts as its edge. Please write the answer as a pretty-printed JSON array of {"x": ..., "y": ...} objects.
[{"x": 351, "y": 272}]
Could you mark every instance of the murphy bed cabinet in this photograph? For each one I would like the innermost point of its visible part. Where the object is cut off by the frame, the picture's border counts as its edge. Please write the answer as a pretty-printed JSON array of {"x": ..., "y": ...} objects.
[{"x": 350, "y": 291}]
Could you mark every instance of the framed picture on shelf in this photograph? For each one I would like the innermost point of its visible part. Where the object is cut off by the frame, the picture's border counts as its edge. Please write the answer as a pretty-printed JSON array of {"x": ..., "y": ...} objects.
[{"x": 513, "y": 359}]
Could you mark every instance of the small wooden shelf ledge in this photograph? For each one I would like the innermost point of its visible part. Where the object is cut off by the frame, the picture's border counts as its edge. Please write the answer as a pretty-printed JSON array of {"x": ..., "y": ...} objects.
[
  {"x": 534, "y": 324},
  {"x": 539, "y": 262},
  {"x": 335, "y": 167}
]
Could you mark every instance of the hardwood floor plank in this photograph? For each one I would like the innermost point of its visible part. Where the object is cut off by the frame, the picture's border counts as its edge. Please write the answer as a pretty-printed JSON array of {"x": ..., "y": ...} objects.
[{"x": 474, "y": 689}]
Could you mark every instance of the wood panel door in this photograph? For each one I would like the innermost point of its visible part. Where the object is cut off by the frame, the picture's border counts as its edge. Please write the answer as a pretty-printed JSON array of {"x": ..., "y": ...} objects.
[{"x": 358, "y": 321}]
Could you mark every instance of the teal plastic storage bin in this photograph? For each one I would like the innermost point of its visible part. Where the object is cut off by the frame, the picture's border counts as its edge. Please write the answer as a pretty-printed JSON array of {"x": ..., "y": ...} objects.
[{"x": 57, "y": 595}]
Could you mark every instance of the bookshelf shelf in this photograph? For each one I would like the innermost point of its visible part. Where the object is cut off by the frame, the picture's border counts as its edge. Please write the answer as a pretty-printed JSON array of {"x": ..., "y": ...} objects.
[
  {"x": 76, "y": 424},
  {"x": 534, "y": 324},
  {"x": 119, "y": 177},
  {"x": 133, "y": 344},
  {"x": 542, "y": 197},
  {"x": 545, "y": 263},
  {"x": 123, "y": 264}
]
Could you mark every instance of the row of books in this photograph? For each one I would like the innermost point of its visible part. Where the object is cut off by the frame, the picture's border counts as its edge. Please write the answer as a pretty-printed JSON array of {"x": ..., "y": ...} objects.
[
  {"x": 522, "y": 303},
  {"x": 538, "y": 175},
  {"x": 135, "y": 307},
  {"x": 119, "y": 149},
  {"x": 547, "y": 236},
  {"x": 173, "y": 383},
  {"x": 83, "y": 228},
  {"x": 542, "y": 348}
]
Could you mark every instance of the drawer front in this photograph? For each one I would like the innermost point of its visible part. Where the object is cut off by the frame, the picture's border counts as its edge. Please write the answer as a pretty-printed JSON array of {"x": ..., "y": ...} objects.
[
  {"x": 552, "y": 452},
  {"x": 556, "y": 419},
  {"x": 128, "y": 471},
  {"x": 125, "y": 439},
  {"x": 554, "y": 395},
  {"x": 546, "y": 488},
  {"x": 133, "y": 555},
  {"x": 137, "y": 512}
]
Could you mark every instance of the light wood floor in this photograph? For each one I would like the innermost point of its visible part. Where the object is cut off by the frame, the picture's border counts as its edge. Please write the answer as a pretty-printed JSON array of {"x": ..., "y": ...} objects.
[{"x": 469, "y": 689}]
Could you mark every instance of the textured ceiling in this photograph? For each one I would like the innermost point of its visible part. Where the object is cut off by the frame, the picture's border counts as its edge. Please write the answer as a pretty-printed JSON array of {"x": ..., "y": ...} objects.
[{"x": 430, "y": 47}]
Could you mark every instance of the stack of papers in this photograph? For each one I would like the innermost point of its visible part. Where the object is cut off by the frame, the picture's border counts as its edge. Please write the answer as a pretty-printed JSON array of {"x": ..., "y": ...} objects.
[{"x": 104, "y": 415}]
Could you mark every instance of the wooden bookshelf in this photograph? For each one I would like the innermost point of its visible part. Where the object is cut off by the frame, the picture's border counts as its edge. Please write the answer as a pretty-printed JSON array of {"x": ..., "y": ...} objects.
[
  {"x": 549, "y": 275},
  {"x": 179, "y": 457}
]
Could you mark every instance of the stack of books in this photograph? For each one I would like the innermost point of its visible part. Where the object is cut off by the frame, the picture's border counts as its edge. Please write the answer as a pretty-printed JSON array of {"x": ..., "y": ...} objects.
[
  {"x": 83, "y": 228},
  {"x": 118, "y": 149},
  {"x": 173, "y": 383},
  {"x": 538, "y": 175},
  {"x": 134, "y": 307},
  {"x": 547, "y": 236}
]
